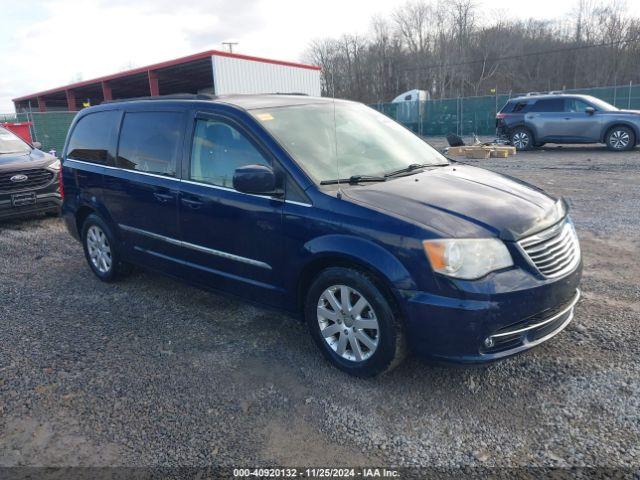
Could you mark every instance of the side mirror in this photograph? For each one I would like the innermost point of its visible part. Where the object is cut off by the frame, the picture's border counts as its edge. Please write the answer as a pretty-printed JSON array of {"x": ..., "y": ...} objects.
[
  {"x": 256, "y": 179},
  {"x": 589, "y": 110},
  {"x": 37, "y": 145}
]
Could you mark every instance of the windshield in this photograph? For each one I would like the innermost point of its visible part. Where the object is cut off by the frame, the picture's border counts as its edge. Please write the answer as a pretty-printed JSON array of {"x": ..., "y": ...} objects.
[
  {"x": 9, "y": 143},
  {"x": 601, "y": 104},
  {"x": 366, "y": 142}
]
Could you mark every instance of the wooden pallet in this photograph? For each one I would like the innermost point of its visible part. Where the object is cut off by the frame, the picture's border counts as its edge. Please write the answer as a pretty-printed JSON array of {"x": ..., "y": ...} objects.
[{"x": 482, "y": 151}]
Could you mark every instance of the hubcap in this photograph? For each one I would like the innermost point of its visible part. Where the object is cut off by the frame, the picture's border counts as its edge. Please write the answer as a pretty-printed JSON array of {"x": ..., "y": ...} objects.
[
  {"x": 99, "y": 249},
  {"x": 619, "y": 139},
  {"x": 348, "y": 323},
  {"x": 520, "y": 140}
]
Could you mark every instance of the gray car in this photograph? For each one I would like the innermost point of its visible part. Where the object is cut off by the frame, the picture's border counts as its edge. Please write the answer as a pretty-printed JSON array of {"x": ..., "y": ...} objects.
[{"x": 535, "y": 119}]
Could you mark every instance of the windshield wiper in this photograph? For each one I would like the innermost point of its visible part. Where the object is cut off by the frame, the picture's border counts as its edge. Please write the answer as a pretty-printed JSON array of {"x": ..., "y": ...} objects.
[
  {"x": 412, "y": 167},
  {"x": 354, "y": 179}
]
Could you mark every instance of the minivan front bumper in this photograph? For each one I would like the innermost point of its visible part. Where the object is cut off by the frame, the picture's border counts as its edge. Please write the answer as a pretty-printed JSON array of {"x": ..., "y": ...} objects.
[{"x": 504, "y": 323}]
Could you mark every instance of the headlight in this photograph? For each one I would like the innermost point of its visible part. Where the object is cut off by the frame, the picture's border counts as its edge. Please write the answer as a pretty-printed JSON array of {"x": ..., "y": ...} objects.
[
  {"x": 467, "y": 258},
  {"x": 55, "y": 166}
]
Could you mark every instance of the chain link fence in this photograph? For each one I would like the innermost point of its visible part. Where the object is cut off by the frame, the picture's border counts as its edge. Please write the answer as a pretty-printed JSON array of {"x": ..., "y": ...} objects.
[
  {"x": 469, "y": 115},
  {"x": 48, "y": 128},
  {"x": 464, "y": 115}
]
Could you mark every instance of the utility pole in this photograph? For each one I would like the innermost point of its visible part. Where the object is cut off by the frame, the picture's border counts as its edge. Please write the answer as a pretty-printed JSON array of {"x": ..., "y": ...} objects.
[{"x": 230, "y": 45}]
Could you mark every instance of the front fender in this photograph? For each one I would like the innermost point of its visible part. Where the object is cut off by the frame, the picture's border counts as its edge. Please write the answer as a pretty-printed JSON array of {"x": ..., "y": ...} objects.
[
  {"x": 633, "y": 126},
  {"x": 337, "y": 247}
]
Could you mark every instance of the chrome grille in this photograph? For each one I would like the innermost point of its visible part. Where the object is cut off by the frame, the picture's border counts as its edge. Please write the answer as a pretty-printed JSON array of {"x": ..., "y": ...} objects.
[
  {"x": 553, "y": 252},
  {"x": 36, "y": 178}
]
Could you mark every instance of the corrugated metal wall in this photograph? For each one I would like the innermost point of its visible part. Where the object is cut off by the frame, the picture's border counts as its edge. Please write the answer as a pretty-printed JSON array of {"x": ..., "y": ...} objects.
[{"x": 235, "y": 75}]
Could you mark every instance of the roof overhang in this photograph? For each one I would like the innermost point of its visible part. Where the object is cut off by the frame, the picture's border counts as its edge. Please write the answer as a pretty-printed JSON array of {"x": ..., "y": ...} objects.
[{"x": 136, "y": 72}]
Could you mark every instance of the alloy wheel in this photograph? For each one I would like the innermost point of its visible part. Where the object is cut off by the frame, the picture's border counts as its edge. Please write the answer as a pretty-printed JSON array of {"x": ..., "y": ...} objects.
[
  {"x": 520, "y": 140},
  {"x": 348, "y": 323},
  {"x": 99, "y": 249},
  {"x": 619, "y": 139}
]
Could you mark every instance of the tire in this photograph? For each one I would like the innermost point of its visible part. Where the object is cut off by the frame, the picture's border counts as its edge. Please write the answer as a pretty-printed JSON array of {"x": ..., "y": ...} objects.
[
  {"x": 371, "y": 340},
  {"x": 101, "y": 251},
  {"x": 620, "y": 138},
  {"x": 521, "y": 138}
]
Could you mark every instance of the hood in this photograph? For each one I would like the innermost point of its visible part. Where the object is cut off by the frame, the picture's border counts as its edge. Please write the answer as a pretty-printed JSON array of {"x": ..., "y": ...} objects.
[
  {"x": 461, "y": 201},
  {"x": 25, "y": 161},
  {"x": 618, "y": 112}
]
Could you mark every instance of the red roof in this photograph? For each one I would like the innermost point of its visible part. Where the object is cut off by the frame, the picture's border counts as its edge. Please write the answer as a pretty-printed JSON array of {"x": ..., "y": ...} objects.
[{"x": 155, "y": 66}]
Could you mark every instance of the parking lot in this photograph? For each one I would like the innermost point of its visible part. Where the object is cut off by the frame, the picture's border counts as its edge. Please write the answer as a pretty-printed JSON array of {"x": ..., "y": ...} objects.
[{"x": 150, "y": 371}]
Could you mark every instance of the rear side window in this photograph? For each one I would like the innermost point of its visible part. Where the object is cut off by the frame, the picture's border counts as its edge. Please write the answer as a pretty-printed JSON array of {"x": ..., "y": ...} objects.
[
  {"x": 150, "y": 141},
  {"x": 93, "y": 138},
  {"x": 548, "y": 105}
]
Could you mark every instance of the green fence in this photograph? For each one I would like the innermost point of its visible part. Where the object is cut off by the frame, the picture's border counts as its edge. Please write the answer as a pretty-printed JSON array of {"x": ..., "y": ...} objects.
[
  {"x": 464, "y": 116},
  {"x": 48, "y": 128},
  {"x": 468, "y": 115}
]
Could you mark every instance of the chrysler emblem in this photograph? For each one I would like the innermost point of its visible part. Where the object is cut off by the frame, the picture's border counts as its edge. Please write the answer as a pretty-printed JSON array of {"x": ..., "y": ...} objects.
[{"x": 19, "y": 178}]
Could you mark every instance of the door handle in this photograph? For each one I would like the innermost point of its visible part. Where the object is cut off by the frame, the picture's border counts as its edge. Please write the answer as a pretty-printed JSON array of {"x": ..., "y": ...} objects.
[
  {"x": 163, "y": 197},
  {"x": 192, "y": 203}
]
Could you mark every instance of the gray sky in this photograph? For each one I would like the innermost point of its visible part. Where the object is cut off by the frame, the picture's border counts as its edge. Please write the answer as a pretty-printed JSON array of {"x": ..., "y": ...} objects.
[{"x": 50, "y": 43}]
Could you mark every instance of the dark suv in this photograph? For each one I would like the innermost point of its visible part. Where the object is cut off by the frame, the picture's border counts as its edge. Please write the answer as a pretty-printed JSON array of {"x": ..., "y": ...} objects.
[
  {"x": 533, "y": 120},
  {"x": 328, "y": 210},
  {"x": 28, "y": 178}
]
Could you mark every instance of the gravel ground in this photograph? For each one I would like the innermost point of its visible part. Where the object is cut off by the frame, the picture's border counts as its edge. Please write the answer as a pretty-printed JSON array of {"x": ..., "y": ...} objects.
[{"x": 152, "y": 372}]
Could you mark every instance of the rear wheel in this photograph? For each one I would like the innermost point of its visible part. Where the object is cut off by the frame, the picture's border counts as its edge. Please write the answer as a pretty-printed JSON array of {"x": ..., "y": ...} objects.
[
  {"x": 353, "y": 323},
  {"x": 620, "y": 138},
  {"x": 521, "y": 138},
  {"x": 101, "y": 251}
]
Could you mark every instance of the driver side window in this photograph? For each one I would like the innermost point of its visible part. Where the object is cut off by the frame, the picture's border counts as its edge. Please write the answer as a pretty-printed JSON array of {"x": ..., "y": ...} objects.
[
  {"x": 575, "y": 105},
  {"x": 218, "y": 149}
]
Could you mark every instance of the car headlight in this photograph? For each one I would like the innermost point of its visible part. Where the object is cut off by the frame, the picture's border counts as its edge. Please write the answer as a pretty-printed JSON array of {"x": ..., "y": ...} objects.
[
  {"x": 55, "y": 166},
  {"x": 467, "y": 258}
]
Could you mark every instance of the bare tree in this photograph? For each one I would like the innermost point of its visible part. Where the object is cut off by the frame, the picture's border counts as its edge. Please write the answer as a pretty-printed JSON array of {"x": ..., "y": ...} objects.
[{"x": 443, "y": 47}]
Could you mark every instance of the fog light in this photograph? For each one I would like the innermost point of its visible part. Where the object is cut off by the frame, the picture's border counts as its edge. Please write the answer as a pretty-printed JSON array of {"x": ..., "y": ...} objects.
[{"x": 488, "y": 342}]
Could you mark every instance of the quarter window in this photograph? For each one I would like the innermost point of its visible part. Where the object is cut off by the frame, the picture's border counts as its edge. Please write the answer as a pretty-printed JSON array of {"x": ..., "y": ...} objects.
[
  {"x": 218, "y": 149},
  {"x": 519, "y": 107},
  {"x": 93, "y": 138},
  {"x": 150, "y": 141}
]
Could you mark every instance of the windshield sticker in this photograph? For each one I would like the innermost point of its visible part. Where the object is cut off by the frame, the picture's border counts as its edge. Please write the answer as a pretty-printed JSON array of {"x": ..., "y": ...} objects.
[{"x": 264, "y": 117}]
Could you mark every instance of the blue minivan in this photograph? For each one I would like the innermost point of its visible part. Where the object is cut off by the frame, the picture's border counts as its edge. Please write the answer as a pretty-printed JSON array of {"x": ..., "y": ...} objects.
[{"x": 330, "y": 211}]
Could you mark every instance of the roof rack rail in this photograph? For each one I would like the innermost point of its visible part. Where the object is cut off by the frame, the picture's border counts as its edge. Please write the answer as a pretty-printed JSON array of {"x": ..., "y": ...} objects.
[
  {"x": 530, "y": 94},
  {"x": 177, "y": 96},
  {"x": 556, "y": 92}
]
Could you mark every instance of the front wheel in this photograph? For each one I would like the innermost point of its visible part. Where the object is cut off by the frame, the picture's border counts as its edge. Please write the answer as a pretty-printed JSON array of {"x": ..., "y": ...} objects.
[
  {"x": 620, "y": 139},
  {"x": 521, "y": 138},
  {"x": 353, "y": 324}
]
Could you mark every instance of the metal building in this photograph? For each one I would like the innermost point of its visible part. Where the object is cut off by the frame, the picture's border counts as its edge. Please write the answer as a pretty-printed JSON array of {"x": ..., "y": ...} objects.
[{"x": 212, "y": 72}]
